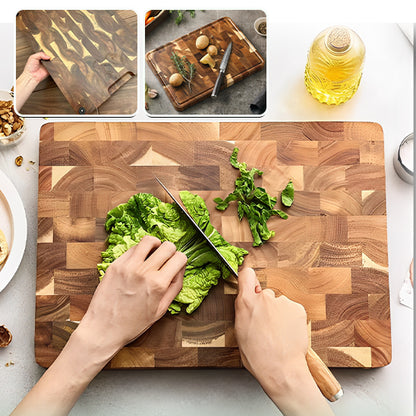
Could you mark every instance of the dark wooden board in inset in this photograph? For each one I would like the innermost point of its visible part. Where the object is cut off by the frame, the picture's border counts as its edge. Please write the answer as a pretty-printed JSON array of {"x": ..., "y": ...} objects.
[
  {"x": 93, "y": 52},
  {"x": 244, "y": 61},
  {"x": 330, "y": 255}
]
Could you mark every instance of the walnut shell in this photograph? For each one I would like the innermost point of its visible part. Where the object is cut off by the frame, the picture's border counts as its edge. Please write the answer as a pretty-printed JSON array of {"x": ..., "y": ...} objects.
[{"x": 5, "y": 336}]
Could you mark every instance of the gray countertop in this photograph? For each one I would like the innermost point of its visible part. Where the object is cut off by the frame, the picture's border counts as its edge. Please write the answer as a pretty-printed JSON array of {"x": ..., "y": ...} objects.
[
  {"x": 234, "y": 100},
  {"x": 384, "y": 96}
]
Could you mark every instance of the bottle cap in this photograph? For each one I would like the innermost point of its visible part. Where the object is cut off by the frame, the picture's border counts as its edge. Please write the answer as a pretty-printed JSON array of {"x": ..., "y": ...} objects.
[{"x": 339, "y": 39}]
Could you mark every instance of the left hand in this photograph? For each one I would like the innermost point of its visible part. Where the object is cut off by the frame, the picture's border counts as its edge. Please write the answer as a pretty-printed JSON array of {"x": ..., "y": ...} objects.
[
  {"x": 136, "y": 291},
  {"x": 34, "y": 67}
]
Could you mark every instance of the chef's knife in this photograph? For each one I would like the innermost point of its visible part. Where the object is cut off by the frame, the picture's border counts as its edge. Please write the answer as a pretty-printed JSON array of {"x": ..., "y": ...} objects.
[
  {"x": 223, "y": 68},
  {"x": 199, "y": 230},
  {"x": 323, "y": 377}
]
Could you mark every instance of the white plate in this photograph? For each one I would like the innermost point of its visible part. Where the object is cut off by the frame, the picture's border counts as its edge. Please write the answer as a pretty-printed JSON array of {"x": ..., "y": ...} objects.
[{"x": 14, "y": 225}]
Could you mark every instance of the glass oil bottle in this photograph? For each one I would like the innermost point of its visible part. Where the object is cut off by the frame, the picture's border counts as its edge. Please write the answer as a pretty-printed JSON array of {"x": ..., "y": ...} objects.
[{"x": 335, "y": 64}]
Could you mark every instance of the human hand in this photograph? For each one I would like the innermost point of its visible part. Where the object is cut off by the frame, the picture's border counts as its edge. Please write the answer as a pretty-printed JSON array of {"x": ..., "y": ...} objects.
[
  {"x": 34, "y": 67},
  {"x": 33, "y": 73},
  {"x": 135, "y": 292},
  {"x": 273, "y": 340}
]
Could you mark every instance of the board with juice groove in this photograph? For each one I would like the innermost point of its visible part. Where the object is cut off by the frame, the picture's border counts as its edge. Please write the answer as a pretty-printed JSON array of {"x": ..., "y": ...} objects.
[
  {"x": 244, "y": 61},
  {"x": 330, "y": 254}
]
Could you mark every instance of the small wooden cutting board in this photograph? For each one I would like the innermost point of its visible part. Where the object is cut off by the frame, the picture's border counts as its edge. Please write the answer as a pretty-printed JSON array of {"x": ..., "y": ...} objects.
[
  {"x": 244, "y": 61},
  {"x": 330, "y": 254},
  {"x": 93, "y": 52}
]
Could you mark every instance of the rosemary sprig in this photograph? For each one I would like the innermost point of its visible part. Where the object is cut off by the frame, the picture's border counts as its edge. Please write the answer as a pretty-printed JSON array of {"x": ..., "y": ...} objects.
[{"x": 185, "y": 68}]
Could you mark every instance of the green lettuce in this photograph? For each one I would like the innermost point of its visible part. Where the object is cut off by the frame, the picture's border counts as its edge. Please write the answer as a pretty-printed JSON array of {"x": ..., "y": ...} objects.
[
  {"x": 288, "y": 194},
  {"x": 144, "y": 214}
]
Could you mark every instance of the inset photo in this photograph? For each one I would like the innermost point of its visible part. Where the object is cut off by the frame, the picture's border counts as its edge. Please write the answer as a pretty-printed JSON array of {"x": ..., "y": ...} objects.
[
  {"x": 205, "y": 62},
  {"x": 76, "y": 62}
]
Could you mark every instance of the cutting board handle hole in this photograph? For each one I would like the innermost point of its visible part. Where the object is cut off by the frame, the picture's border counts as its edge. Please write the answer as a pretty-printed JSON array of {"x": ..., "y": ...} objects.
[{"x": 120, "y": 82}]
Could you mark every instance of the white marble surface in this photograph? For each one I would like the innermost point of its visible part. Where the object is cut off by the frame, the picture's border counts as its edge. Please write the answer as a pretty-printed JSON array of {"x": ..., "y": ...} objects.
[{"x": 385, "y": 96}]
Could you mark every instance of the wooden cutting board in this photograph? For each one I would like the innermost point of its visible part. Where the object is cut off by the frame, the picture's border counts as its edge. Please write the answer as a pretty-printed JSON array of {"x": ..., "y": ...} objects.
[
  {"x": 244, "y": 61},
  {"x": 93, "y": 52},
  {"x": 330, "y": 255}
]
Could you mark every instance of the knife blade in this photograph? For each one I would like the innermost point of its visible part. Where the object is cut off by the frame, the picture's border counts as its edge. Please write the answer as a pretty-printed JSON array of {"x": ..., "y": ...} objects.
[
  {"x": 198, "y": 229},
  {"x": 223, "y": 68}
]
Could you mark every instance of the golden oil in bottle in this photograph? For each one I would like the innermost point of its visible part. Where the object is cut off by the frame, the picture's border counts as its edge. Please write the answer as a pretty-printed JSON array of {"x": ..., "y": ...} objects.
[{"x": 334, "y": 67}]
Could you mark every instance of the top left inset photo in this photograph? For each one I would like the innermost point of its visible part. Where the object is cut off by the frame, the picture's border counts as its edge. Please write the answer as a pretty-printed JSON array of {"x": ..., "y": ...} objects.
[{"x": 76, "y": 62}]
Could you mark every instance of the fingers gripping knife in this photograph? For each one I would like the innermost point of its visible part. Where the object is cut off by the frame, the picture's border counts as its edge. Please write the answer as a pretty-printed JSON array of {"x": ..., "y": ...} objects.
[{"x": 323, "y": 377}]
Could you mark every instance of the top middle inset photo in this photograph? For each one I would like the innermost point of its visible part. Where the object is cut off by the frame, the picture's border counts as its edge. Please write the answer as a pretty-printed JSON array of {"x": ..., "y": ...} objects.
[{"x": 205, "y": 62}]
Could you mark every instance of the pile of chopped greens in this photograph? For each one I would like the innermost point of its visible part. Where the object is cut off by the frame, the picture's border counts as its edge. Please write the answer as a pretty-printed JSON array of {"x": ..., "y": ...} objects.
[
  {"x": 254, "y": 202},
  {"x": 144, "y": 214}
]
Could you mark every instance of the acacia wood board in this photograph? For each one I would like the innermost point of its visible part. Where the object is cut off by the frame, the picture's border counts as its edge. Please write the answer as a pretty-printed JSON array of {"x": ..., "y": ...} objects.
[
  {"x": 93, "y": 52},
  {"x": 244, "y": 61},
  {"x": 330, "y": 255}
]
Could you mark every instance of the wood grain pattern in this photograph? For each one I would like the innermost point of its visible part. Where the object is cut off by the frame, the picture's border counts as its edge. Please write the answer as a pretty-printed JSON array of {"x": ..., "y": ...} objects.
[
  {"x": 330, "y": 255},
  {"x": 93, "y": 53},
  {"x": 244, "y": 61}
]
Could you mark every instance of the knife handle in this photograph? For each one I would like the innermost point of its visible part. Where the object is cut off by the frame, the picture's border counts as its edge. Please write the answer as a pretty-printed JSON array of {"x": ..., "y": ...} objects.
[
  {"x": 323, "y": 377},
  {"x": 218, "y": 84}
]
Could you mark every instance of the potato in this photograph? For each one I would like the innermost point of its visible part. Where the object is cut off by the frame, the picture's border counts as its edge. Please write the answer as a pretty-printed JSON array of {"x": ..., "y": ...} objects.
[
  {"x": 202, "y": 42},
  {"x": 212, "y": 50},
  {"x": 176, "y": 80},
  {"x": 207, "y": 60}
]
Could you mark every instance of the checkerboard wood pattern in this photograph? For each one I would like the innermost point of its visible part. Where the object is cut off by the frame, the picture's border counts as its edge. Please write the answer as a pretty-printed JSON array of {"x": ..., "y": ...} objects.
[{"x": 330, "y": 255}]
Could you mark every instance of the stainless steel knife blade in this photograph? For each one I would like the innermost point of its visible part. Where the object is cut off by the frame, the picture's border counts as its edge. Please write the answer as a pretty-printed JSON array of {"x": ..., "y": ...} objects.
[
  {"x": 223, "y": 68},
  {"x": 226, "y": 57},
  {"x": 199, "y": 230}
]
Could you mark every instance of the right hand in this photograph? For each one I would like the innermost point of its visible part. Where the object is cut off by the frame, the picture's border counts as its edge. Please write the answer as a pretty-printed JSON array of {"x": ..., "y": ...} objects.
[
  {"x": 273, "y": 340},
  {"x": 271, "y": 331}
]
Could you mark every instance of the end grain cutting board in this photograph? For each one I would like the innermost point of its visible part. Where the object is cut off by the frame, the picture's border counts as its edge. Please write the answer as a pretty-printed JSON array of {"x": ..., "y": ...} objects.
[
  {"x": 93, "y": 52},
  {"x": 330, "y": 255},
  {"x": 244, "y": 61}
]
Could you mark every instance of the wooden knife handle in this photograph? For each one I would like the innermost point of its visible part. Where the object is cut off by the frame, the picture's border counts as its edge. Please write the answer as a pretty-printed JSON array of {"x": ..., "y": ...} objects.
[{"x": 323, "y": 377}]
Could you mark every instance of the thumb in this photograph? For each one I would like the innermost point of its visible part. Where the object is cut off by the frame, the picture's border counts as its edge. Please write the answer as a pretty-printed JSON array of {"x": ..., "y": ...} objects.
[
  {"x": 42, "y": 55},
  {"x": 247, "y": 282}
]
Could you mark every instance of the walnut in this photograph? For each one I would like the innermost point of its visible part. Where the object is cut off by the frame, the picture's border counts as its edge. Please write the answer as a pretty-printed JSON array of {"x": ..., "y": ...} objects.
[
  {"x": 7, "y": 129},
  {"x": 10, "y": 122},
  {"x": 5, "y": 336}
]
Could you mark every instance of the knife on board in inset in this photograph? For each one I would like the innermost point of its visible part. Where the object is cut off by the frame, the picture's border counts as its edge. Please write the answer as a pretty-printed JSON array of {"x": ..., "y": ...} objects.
[
  {"x": 323, "y": 377},
  {"x": 223, "y": 68}
]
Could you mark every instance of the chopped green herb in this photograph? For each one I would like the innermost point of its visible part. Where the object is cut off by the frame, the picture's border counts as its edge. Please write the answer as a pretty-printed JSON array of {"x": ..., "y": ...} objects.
[{"x": 254, "y": 202}]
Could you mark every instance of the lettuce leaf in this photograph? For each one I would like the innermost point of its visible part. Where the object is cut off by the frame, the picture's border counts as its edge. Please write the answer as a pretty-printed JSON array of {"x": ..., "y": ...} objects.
[
  {"x": 144, "y": 214},
  {"x": 288, "y": 194}
]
